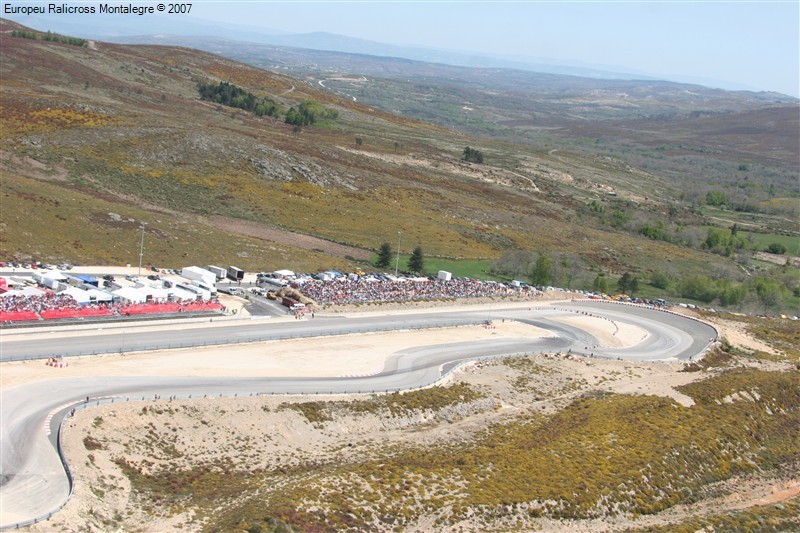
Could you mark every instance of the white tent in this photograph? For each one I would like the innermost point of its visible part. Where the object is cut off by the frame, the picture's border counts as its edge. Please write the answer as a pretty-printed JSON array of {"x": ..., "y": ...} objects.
[
  {"x": 194, "y": 290},
  {"x": 199, "y": 274},
  {"x": 99, "y": 296},
  {"x": 81, "y": 296},
  {"x": 129, "y": 295},
  {"x": 284, "y": 273},
  {"x": 49, "y": 274},
  {"x": 154, "y": 289},
  {"x": 180, "y": 294},
  {"x": 25, "y": 291}
]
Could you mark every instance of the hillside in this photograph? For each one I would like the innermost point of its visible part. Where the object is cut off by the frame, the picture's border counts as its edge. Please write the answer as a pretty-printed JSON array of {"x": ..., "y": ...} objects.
[{"x": 101, "y": 137}]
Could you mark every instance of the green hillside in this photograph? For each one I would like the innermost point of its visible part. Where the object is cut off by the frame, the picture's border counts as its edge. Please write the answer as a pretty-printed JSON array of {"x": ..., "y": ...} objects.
[{"x": 93, "y": 130}]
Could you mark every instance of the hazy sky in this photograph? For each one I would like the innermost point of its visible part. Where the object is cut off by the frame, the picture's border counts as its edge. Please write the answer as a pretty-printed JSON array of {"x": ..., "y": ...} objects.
[{"x": 753, "y": 44}]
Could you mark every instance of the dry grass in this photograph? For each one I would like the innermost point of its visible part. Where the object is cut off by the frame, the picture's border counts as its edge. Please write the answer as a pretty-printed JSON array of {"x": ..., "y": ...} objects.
[
  {"x": 105, "y": 124},
  {"x": 52, "y": 227},
  {"x": 447, "y": 457}
]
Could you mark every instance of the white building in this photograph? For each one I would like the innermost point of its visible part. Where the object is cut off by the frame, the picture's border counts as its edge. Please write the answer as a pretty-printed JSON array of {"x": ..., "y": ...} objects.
[
  {"x": 195, "y": 273},
  {"x": 130, "y": 295},
  {"x": 79, "y": 295}
]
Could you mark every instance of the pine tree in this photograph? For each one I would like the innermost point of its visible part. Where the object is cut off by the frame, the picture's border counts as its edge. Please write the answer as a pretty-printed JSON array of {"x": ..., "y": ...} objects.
[
  {"x": 600, "y": 284},
  {"x": 628, "y": 283},
  {"x": 384, "y": 256},
  {"x": 542, "y": 273},
  {"x": 416, "y": 262}
]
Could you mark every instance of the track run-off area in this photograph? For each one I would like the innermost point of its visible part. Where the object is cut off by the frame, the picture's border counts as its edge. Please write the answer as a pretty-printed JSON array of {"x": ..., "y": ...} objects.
[{"x": 357, "y": 353}]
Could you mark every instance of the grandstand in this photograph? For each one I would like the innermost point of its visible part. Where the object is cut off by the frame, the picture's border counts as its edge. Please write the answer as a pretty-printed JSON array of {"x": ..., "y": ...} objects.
[{"x": 79, "y": 297}]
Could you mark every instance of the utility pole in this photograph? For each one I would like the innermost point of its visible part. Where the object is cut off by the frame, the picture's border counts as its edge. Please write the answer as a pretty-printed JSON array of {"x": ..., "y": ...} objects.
[
  {"x": 141, "y": 248},
  {"x": 397, "y": 262}
]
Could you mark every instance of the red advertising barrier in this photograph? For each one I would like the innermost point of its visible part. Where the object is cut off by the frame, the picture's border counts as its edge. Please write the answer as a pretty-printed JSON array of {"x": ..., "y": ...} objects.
[
  {"x": 96, "y": 311},
  {"x": 86, "y": 312},
  {"x": 60, "y": 313},
  {"x": 143, "y": 309},
  {"x": 140, "y": 309},
  {"x": 16, "y": 316},
  {"x": 75, "y": 313},
  {"x": 202, "y": 306}
]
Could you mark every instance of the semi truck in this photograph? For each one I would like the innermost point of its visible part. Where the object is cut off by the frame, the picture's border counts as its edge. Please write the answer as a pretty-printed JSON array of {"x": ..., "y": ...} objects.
[
  {"x": 194, "y": 273},
  {"x": 220, "y": 272},
  {"x": 235, "y": 274},
  {"x": 293, "y": 304}
]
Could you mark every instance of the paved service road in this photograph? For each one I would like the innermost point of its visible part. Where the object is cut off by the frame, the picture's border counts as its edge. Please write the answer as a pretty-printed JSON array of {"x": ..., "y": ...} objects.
[{"x": 33, "y": 481}]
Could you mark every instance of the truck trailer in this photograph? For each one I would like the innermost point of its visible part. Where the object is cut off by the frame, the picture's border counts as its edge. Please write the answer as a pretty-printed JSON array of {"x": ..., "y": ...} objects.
[
  {"x": 220, "y": 272},
  {"x": 194, "y": 273},
  {"x": 235, "y": 274}
]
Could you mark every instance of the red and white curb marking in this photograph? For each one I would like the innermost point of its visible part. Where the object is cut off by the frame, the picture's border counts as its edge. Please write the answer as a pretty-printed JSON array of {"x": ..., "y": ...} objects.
[{"x": 52, "y": 413}]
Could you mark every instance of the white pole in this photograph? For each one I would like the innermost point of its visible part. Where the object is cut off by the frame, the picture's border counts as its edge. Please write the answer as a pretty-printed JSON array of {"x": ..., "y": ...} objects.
[
  {"x": 397, "y": 262},
  {"x": 141, "y": 248}
]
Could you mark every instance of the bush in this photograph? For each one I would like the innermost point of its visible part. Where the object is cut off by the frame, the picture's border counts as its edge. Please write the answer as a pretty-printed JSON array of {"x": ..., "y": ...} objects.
[
  {"x": 659, "y": 280},
  {"x": 472, "y": 155},
  {"x": 716, "y": 198},
  {"x": 230, "y": 95},
  {"x": 90, "y": 443},
  {"x": 776, "y": 248}
]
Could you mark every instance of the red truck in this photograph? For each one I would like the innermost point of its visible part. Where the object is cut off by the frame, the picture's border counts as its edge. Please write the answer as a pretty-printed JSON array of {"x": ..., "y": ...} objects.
[{"x": 292, "y": 304}]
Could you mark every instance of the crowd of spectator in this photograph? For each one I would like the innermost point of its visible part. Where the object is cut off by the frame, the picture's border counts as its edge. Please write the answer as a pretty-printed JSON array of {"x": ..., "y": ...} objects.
[
  {"x": 45, "y": 305},
  {"x": 366, "y": 289},
  {"x": 38, "y": 303}
]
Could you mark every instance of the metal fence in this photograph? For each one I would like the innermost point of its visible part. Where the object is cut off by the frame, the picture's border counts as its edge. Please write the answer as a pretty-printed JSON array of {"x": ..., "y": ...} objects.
[
  {"x": 89, "y": 403},
  {"x": 95, "y": 402},
  {"x": 121, "y": 348}
]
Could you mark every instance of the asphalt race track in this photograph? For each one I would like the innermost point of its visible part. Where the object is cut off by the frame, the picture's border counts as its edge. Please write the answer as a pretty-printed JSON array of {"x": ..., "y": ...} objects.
[{"x": 33, "y": 481}]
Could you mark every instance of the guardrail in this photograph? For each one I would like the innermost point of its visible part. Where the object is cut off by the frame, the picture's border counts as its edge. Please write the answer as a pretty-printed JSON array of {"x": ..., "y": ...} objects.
[
  {"x": 238, "y": 340},
  {"x": 700, "y": 354},
  {"x": 70, "y": 480},
  {"x": 115, "y": 319},
  {"x": 90, "y": 403}
]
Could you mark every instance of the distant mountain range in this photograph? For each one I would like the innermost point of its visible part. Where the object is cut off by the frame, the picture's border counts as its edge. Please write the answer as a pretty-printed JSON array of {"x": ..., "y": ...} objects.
[{"x": 164, "y": 31}]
